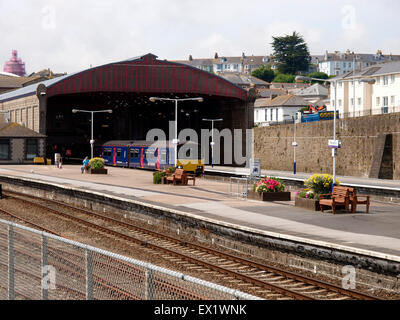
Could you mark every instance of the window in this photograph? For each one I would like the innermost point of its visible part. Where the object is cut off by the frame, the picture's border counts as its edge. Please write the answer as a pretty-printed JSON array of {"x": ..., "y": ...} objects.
[
  {"x": 385, "y": 108},
  {"x": 32, "y": 149},
  {"x": 119, "y": 151},
  {"x": 392, "y": 100},
  {"x": 352, "y": 101},
  {"x": 340, "y": 102},
  {"x": 359, "y": 101},
  {"x": 378, "y": 80},
  {"x": 378, "y": 101},
  {"x": 257, "y": 112},
  {"x": 340, "y": 84},
  {"x": 5, "y": 149},
  {"x": 385, "y": 80},
  {"x": 393, "y": 78},
  {"x": 266, "y": 114},
  {"x": 134, "y": 153}
]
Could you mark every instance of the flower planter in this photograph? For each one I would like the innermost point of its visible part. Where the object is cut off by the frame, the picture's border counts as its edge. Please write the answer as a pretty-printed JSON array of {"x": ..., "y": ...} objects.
[
  {"x": 269, "y": 196},
  {"x": 98, "y": 171},
  {"x": 308, "y": 204}
]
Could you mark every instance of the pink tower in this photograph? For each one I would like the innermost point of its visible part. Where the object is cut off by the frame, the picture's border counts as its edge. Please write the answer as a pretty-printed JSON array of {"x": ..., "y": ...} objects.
[{"x": 15, "y": 65}]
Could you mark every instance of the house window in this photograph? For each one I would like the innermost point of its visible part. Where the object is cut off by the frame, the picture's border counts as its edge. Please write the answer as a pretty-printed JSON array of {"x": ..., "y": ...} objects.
[
  {"x": 340, "y": 102},
  {"x": 32, "y": 149},
  {"x": 266, "y": 114},
  {"x": 352, "y": 101},
  {"x": 385, "y": 108},
  {"x": 378, "y": 101},
  {"x": 359, "y": 101},
  {"x": 392, "y": 100},
  {"x": 378, "y": 80},
  {"x": 393, "y": 78},
  {"x": 5, "y": 149},
  {"x": 257, "y": 115},
  {"x": 385, "y": 80}
]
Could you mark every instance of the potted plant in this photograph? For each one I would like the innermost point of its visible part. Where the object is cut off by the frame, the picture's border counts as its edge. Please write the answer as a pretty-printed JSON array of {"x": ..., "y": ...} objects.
[
  {"x": 158, "y": 177},
  {"x": 269, "y": 189},
  {"x": 97, "y": 166},
  {"x": 316, "y": 184}
]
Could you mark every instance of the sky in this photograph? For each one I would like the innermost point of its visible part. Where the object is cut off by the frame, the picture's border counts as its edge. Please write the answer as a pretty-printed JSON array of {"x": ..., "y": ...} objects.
[{"x": 68, "y": 36}]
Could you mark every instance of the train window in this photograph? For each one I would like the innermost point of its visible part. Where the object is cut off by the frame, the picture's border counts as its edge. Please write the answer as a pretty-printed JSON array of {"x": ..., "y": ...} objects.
[
  {"x": 163, "y": 157},
  {"x": 188, "y": 154},
  {"x": 149, "y": 155},
  {"x": 119, "y": 153},
  {"x": 134, "y": 153}
]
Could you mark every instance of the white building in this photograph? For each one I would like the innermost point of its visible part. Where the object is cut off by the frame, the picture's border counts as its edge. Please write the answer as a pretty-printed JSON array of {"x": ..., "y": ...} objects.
[
  {"x": 339, "y": 63},
  {"x": 267, "y": 111},
  {"x": 358, "y": 98}
]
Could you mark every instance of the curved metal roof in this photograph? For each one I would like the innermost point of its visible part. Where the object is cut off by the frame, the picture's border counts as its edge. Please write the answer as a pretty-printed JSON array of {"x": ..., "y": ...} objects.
[{"x": 144, "y": 74}]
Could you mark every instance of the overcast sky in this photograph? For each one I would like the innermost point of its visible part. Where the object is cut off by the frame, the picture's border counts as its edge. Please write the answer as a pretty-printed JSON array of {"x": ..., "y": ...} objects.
[{"x": 68, "y": 36}]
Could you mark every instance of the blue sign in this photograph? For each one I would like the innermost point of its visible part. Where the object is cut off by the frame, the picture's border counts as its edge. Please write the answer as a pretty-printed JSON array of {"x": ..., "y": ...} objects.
[{"x": 320, "y": 115}]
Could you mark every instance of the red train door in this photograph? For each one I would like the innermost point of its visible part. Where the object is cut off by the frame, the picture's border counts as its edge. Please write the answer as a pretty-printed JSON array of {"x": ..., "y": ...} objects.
[
  {"x": 158, "y": 158},
  {"x": 115, "y": 156},
  {"x": 141, "y": 157}
]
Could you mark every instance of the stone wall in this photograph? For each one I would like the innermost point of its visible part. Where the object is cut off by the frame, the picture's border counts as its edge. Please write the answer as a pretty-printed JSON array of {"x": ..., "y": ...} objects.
[{"x": 359, "y": 136}]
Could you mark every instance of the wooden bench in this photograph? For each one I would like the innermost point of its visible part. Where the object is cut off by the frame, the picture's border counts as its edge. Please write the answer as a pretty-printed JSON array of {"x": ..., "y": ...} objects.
[
  {"x": 356, "y": 199},
  {"x": 340, "y": 197},
  {"x": 178, "y": 176}
]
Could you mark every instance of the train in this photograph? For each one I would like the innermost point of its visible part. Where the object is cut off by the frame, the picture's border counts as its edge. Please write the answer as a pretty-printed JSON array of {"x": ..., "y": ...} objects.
[{"x": 156, "y": 155}]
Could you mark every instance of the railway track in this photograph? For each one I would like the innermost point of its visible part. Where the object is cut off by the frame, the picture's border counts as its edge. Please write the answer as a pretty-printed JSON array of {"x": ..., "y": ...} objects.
[{"x": 268, "y": 282}]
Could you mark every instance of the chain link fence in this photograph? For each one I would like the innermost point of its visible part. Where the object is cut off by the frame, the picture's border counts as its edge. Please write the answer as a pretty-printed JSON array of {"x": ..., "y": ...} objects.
[{"x": 38, "y": 266}]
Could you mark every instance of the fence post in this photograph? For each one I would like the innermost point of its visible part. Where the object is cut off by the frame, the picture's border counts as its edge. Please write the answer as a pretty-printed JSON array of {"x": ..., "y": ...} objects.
[
  {"x": 89, "y": 275},
  {"x": 149, "y": 285},
  {"x": 11, "y": 293},
  {"x": 45, "y": 289}
]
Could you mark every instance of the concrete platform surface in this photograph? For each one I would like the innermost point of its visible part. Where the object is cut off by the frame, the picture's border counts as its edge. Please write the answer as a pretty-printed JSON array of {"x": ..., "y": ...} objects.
[{"x": 376, "y": 234}]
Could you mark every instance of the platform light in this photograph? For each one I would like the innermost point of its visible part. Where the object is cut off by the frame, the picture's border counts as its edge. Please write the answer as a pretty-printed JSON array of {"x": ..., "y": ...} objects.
[{"x": 176, "y": 100}]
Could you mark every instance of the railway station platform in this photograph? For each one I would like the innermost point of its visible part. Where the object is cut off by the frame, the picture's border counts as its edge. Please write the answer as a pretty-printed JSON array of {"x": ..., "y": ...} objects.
[{"x": 376, "y": 234}]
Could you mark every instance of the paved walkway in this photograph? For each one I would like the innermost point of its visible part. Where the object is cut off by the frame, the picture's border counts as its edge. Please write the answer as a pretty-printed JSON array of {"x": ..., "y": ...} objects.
[{"x": 377, "y": 232}]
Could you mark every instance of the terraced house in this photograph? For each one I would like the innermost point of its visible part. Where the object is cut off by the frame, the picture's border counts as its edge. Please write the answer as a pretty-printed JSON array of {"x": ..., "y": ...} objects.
[{"x": 358, "y": 98}]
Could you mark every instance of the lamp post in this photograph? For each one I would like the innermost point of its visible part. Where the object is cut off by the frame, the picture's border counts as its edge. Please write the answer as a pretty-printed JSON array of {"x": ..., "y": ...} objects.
[
  {"x": 92, "y": 112},
  {"x": 294, "y": 144},
  {"x": 176, "y": 141},
  {"x": 212, "y": 138},
  {"x": 335, "y": 144}
]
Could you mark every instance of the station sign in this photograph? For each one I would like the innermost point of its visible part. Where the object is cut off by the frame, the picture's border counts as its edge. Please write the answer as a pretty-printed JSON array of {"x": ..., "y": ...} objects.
[
  {"x": 255, "y": 167},
  {"x": 335, "y": 144}
]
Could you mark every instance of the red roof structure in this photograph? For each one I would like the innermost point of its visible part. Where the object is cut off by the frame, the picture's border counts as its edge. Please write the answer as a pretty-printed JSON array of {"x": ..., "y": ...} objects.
[{"x": 145, "y": 74}]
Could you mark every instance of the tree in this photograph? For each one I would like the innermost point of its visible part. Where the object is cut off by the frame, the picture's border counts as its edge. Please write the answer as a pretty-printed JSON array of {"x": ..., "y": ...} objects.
[
  {"x": 264, "y": 72},
  {"x": 284, "y": 78},
  {"x": 291, "y": 53}
]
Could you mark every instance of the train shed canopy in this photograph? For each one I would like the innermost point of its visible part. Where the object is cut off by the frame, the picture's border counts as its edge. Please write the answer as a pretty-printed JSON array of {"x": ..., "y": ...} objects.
[{"x": 143, "y": 74}]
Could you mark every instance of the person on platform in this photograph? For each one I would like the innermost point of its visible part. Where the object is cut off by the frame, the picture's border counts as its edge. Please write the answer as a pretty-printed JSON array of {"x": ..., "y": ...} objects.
[{"x": 85, "y": 165}]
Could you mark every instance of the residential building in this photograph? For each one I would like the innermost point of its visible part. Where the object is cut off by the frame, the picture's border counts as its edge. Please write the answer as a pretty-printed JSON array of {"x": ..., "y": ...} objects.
[
  {"x": 281, "y": 108},
  {"x": 314, "y": 93},
  {"x": 339, "y": 63},
  {"x": 244, "y": 80},
  {"x": 19, "y": 144},
  {"x": 358, "y": 98},
  {"x": 243, "y": 64}
]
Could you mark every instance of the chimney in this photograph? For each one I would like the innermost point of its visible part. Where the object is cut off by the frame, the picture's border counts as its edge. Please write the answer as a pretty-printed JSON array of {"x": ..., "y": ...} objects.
[
  {"x": 190, "y": 58},
  {"x": 216, "y": 55},
  {"x": 243, "y": 55}
]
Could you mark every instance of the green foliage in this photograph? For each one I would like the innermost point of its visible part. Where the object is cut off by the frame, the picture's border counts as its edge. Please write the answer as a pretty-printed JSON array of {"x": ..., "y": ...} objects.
[
  {"x": 264, "y": 72},
  {"x": 171, "y": 170},
  {"x": 307, "y": 194},
  {"x": 284, "y": 78},
  {"x": 291, "y": 53},
  {"x": 96, "y": 163},
  {"x": 318, "y": 75},
  {"x": 157, "y": 177}
]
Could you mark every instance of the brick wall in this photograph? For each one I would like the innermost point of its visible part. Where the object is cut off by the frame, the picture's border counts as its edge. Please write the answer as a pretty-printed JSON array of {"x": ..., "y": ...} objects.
[{"x": 359, "y": 136}]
